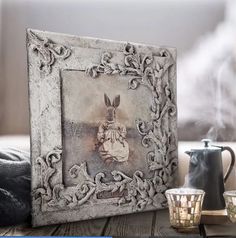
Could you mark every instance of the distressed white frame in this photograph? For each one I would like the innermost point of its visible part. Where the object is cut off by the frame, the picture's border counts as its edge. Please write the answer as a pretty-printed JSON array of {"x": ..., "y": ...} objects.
[{"x": 148, "y": 66}]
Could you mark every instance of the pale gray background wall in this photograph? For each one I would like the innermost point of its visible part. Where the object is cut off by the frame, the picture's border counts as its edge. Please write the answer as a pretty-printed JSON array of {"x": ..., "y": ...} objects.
[{"x": 161, "y": 22}]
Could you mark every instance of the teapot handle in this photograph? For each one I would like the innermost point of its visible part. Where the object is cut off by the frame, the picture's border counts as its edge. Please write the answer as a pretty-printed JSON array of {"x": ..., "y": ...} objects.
[{"x": 231, "y": 163}]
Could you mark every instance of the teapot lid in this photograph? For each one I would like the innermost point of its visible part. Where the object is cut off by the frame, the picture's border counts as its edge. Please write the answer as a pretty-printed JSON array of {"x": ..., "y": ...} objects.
[
  {"x": 206, "y": 142},
  {"x": 207, "y": 146}
]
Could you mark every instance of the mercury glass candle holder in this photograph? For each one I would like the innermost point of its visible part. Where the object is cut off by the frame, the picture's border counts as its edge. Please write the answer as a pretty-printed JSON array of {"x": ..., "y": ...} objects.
[
  {"x": 185, "y": 207},
  {"x": 230, "y": 202}
]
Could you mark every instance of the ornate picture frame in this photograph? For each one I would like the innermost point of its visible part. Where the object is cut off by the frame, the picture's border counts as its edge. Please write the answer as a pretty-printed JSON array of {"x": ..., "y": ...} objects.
[{"x": 58, "y": 67}]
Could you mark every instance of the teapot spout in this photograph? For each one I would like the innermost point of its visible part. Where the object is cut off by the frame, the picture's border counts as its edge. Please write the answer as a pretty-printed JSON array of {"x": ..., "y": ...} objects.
[{"x": 188, "y": 153}]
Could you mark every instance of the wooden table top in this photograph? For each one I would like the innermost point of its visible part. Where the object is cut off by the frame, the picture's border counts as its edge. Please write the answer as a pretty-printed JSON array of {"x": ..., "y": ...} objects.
[
  {"x": 146, "y": 224},
  {"x": 155, "y": 223}
]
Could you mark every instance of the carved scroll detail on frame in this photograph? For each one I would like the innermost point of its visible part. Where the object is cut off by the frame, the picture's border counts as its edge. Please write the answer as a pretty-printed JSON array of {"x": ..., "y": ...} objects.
[
  {"x": 140, "y": 192},
  {"x": 148, "y": 70},
  {"x": 47, "y": 51},
  {"x": 47, "y": 170}
]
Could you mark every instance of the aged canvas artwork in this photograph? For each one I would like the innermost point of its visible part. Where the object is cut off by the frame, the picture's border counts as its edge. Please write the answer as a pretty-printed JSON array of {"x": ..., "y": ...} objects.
[
  {"x": 103, "y": 126},
  {"x": 99, "y": 124}
]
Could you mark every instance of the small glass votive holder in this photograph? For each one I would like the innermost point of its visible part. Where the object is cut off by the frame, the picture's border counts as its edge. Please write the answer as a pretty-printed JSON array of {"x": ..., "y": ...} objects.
[
  {"x": 230, "y": 202},
  {"x": 185, "y": 207}
]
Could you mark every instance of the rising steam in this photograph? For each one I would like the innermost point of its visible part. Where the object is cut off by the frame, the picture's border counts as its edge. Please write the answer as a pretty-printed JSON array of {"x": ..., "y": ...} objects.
[
  {"x": 207, "y": 82},
  {"x": 197, "y": 171}
]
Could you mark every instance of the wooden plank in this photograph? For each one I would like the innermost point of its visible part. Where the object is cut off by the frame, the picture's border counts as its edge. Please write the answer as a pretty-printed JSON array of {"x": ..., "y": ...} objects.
[
  {"x": 137, "y": 224},
  {"x": 214, "y": 217},
  {"x": 222, "y": 212},
  {"x": 226, "y": 229},
  {"x": 163, "y": 228},
  {"x": 26, "y": 230},
  {"x": 82, "y": 228},
  {"x": 213, "y": 220},
  {"x": 4, "y": 230}
]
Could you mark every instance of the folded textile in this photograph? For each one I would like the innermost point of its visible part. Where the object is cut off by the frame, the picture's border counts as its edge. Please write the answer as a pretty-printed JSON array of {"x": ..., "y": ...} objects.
[{"x": 15, "y": 177}]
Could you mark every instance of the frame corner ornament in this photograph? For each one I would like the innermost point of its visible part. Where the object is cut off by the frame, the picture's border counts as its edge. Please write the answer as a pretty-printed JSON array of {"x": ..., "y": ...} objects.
[{"x": 47, "y": 50}]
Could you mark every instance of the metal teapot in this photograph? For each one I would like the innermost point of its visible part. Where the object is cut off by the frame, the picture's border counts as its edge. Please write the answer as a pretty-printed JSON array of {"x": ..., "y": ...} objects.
[{"x": 206, "y": 172}]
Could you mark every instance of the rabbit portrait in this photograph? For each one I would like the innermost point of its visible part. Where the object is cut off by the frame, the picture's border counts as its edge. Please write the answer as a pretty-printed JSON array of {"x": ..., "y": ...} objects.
[{"x": 111, "y": 136}]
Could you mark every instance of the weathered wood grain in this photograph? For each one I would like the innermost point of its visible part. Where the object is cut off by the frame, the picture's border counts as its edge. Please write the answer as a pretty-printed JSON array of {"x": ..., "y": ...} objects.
[
  {"x": 138, "y": 224},
  {"x": 225, "y": 229},
  {"x": 82, "y": 228},
  {"x": 163, "y": 228},
  {"x": 154, "y": 223},
  {"x": 26, "y": 230},
  {"x": 4, "y": 230}
]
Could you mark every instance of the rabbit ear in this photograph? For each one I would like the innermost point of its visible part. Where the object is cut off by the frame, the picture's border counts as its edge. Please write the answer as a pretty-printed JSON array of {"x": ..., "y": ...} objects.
[
  {"x": 116, "y": 101},
  {"x": 107, "y": 100}
]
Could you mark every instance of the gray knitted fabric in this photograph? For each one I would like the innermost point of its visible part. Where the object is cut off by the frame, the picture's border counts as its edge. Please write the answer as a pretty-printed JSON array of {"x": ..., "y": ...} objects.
[{"x": 15, "y": 171}]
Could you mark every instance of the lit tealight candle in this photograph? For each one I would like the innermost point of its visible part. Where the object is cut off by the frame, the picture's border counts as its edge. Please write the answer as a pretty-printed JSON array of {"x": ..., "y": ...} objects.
[{"x": 185, "y": 206}]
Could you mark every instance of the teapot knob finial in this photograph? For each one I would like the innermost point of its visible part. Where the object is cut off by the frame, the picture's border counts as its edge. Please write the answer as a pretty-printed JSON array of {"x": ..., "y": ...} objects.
[{"x": 206, "y": 142}]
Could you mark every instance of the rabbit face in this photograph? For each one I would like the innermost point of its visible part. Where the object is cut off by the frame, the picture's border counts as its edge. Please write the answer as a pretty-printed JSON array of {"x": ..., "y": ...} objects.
[
  {"x": 111, "y": 114},
  {"x": 111, "y": 107}
]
